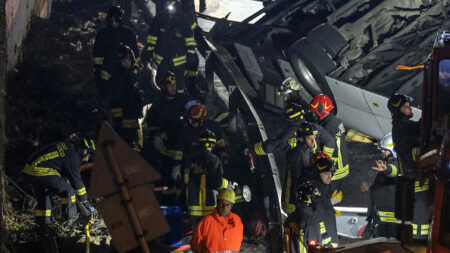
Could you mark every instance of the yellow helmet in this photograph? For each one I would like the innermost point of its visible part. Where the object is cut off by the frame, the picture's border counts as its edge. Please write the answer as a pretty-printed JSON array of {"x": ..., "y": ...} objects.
[{"x": 227, "y": 194}]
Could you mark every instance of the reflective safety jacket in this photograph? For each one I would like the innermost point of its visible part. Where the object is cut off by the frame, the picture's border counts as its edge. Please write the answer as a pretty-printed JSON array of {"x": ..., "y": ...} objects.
[
  {"x": 165, "y": 119},
  {"x": 106, "y": 48},
  {"x": 218, "y": 234},
  {"x": 336, "y": 128},
  {"x": 58, "y": 159},
  {"x": 171, "y": 39},
  {"x": 297, "y": 165},
  {"x": 382, "y": 201},
  {"x": 289, "y": 139},
  {"x": 302, "y": 228},
  {"x": 202, "y": 176},
  {"x": 406, "y": 134}
]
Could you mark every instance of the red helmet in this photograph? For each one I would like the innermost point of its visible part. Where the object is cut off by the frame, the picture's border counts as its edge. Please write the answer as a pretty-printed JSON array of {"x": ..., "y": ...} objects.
[
  {"x": 321, "y": 104},
  {"x": 198, "y": 112},
  {"x": 317, "y": 156}
]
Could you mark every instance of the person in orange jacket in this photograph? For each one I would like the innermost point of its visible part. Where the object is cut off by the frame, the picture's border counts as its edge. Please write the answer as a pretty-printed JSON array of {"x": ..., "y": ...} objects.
[{"x": 220, "y": 231}]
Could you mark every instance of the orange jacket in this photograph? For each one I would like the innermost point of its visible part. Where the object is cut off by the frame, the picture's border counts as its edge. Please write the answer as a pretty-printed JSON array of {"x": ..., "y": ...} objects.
[{"x": 217, "y": 234}]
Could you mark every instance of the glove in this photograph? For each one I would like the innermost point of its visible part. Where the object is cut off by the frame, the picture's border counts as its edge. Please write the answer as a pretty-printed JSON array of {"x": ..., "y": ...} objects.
[
  {"x": 336, "y": 197},
  {"x": 176, "y": 172},
  {"x": 158, "y": 143},
  {"x": 92, "y": 211}
]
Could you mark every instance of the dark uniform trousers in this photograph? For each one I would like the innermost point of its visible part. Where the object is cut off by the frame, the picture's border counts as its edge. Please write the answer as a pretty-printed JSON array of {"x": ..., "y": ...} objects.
[
  {"x": 46, "y": 170},
  {"x": 125, "y": 104},
  {"x": 202, "y": 176}
]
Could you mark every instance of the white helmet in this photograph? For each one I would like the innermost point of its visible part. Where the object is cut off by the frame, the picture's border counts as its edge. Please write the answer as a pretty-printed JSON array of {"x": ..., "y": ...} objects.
[
  {"x": 388, "y": 143},
  {"x": 289, "y": 85}
]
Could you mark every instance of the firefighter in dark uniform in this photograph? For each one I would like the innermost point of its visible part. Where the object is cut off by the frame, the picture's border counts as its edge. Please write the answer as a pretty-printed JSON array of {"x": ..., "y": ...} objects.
[
  {"x": 297, "y": 164},
  {"x": 323, "y": 170},
  {"x": 124, "y": 100},
  {"x": 106, "y": 48},
  {"x": 406, "y": 134},
  {"x": 164, "y": 121},
  {"x": 381, "y": 219},
  {"x": 48, "y": 169},
  {"x": 190, "y": 133},
  {"x": 202, "y": 176},
  {"x": 322, "y": 106},
  {"x": 171, "y": 44},
  {"x": 303, "y": 229},
  {"x": 295, "y": 114}
]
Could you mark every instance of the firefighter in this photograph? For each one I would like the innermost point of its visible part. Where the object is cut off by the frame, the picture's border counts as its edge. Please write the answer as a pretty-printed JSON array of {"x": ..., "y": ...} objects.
[
  {"x": 322, "y": 106},
  {"x": 406, "y": 134},
  {"x": 295, "y": 115},
  {"x": 171, "y": 44},
  {"x": 220, "y": 231},
  {"x": 164, "y": 121},
  {"x": 106, "y": 48},
  {"x": 124, "y": 100},
  {"x": 202, "y": 176},
  {"x": 323, "y": 170},
  {"x": 381, "y": 219},
  {"x": 303, "y": 229},
  {"x": 290, "y": 90},
  {"x": 297, "y": 164},
  {"x": 49, "y": 168},
  {"x": 195, "y": 124}
]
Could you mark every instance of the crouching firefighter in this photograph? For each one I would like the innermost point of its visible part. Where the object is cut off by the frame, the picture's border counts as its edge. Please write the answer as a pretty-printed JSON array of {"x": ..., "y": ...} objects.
[
  {"x": 48, "y": 169},
  {"x": 302, "y": 228},
  {"x": 202, "y": 176}
]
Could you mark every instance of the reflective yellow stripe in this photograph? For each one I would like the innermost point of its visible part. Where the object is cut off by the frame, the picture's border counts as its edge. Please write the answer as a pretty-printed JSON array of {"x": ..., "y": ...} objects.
[
  {"x": 42, "y": 213},
  {"x": 424, "y": 187},
  {"x": 150, "y": 48},
  {"x": 315, "y": 147},
  {"x": 186, "y": 178},
  {"x": 159, "y": 59},
  {"x": 414, "y": 228},
  {"x": 116, "y": 112},
  {"x": 202, "y": 193},
  {"x": 342, "y": 170},
  {"x": 98, "y": 60},
  {"x": 130, "y": 123},
  {"x": 259, "y": 149},
  {"x": 294, "y": 115},
  {"x": 207, "y": 139},
  {"x": 194, "y": 25},
  {"x": 72, "y": 199},
  {"x": 190, "y": 42},
  {"x": 152, "y": 39},
  {"x": 65, "y": 201},
  {"x": 192, "y": 73},
  {"x": 328, "y": 151},
  {"x": 323, "y": 229},
  {"x": 135, "y": 71},
  {"x": 201, "y": 210},
  {"x": 415, "y": 152},
  {"x": 105, "y": 75},
  {"x": 326, "y": 240},
  {"x": 424, "y": 229},
  {"x": 394, "y": 170},
  {"x": 334, "y": 245},
  {"x": 40, "y": 171},
  {"x": 179, "y": 60},
  {"x": 190, "y": 51},
  {"x": 174, "y": 154},
  {"x": 81, "y": 191},
  {"x": 388, "y": 217},
  {"x": 224, "y": 183},
  {"x": 45, "y": 157}
]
